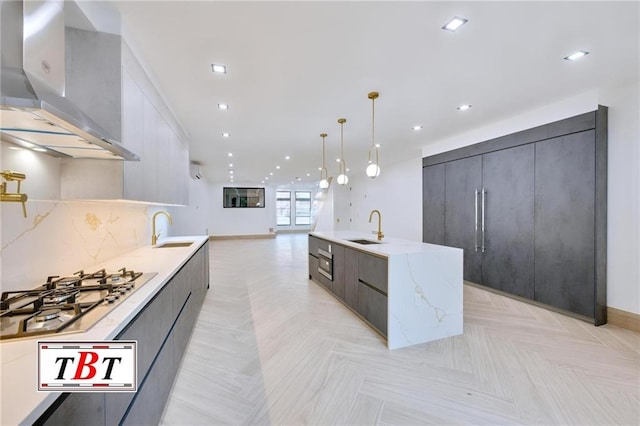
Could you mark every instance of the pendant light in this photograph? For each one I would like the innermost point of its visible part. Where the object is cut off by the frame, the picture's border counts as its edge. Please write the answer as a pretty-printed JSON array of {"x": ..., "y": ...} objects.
[
  {"x": 324, "y": 182},
  {"x": 343, "y": 179},
  {"x": 373, "y": 167}
]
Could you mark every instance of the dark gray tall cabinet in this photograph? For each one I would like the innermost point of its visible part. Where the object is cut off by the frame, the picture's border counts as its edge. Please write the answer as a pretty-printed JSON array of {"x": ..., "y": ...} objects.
[{"x": 529, "y": 211}]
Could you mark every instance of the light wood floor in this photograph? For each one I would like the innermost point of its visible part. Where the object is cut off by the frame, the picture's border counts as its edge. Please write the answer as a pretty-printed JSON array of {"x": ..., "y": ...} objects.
[{"x": 272, "y": 347}]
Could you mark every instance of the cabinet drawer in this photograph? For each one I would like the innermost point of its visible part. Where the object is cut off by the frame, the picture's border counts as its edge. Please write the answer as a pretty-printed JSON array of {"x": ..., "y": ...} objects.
[
  {"x": 372, "y": 270},
  {"x": 313, "y": 268},
  {"x": 372, "y": 305},
  {"x": 150, "y": 328},
  {"x": 314, "y": 243}
]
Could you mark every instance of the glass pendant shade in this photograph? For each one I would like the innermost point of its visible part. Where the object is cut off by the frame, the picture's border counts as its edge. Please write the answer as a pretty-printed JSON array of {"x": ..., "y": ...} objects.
[
  {"x": 343, "y": 179},
  {"x": 324, "y": 184},
  {"x": 373, "y": 170}
]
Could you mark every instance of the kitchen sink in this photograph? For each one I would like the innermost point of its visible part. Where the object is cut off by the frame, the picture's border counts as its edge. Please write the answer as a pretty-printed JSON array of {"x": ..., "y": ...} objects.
[
  {"x": 364, "y": 242},
  {"x": 175, "y": 244}
]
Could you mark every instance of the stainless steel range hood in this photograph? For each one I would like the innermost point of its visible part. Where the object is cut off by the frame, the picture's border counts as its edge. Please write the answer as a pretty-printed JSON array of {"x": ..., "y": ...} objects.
[{"x": 34, "y": 113}]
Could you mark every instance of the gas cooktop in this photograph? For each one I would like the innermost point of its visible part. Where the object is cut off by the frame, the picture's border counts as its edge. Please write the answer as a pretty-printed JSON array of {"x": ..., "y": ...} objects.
[{"x": 67, "y": 304}]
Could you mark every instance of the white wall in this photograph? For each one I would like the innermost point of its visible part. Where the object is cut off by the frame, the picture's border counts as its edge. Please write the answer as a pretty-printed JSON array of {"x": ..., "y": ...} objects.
[
  {"x": 623, "y": 192},
  {"x": 241, "y": 221},
  {"x": 192, "y": 219},
  {"x": 623, "y": 247},
  {"x": 397, "y": 193}
]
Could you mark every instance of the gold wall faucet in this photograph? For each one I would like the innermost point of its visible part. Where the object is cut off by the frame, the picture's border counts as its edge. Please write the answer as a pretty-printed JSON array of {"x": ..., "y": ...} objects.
[
  {"x": 15, "y": 197},
  {"x": 380, "y": 234},
  {"x": 154, "y": 237}
]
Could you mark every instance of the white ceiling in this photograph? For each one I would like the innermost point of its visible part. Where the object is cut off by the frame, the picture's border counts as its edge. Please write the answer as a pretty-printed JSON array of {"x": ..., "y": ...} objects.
[{"x": 294, "y": 68}]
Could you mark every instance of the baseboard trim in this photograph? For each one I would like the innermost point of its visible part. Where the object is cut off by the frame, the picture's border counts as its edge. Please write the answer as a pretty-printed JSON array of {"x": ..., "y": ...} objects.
[
  {"x": 623, "y": 319},
  {"x": 241, "y": 237}
]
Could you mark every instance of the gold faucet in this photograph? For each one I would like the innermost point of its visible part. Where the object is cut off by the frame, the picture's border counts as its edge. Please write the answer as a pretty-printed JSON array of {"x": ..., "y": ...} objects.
[
  {"x": 16, "y": 197},
  {"x": 154, "y": 237},
  {"x": 380, "y": 234}
]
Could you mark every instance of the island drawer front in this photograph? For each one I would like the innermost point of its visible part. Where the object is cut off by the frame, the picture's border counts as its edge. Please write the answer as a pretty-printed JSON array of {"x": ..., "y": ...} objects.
[
  {"x": 318, "y": 243},
  {"x": 314, "y": 243},
  {"x": 372, "y": 270},
  {"x": 372, "y": 305}
]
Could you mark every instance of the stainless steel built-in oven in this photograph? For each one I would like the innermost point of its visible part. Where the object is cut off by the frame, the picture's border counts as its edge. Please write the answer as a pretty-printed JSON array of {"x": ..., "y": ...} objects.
[{"x": 325, "y": 263}]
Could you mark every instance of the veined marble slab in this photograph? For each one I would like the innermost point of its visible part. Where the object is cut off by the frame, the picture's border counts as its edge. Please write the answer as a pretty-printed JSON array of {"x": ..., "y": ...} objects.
[{"x": 424, "y": 300}]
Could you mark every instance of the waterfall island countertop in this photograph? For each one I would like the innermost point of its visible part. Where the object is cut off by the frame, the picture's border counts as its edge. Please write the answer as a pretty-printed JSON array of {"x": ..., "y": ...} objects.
[{"x": 424, "y": 300}]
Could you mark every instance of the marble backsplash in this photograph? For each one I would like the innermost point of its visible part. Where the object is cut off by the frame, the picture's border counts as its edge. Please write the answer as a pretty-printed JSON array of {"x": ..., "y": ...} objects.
[{"x": 59, "y": 238}]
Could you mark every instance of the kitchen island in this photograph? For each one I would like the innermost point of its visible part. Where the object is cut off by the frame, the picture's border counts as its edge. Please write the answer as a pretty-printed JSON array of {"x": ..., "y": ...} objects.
[
  {"x": 410, "y": 292},
  {"x": 159, "y": 315}
]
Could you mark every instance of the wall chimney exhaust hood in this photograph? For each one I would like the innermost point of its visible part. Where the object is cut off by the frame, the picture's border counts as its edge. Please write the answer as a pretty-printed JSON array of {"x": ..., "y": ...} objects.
[{"x": 34, "y": 112}]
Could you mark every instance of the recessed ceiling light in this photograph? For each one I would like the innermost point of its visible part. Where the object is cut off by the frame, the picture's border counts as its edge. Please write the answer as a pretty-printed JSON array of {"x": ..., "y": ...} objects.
[
  {"x": 266, "y": 178},
  {"x": 464, "y": 107},
  {"x": 230, "y": 164},
  {"x": 348, "y": 169},
  {"x": 377, "y": 145},
  {"x": 223, "y": 106},
  {"x": 230, "y": 154},
  {"x": 225, "y": 135},
  {"x": 262, "y": 182},
  {"x": 270, "y": 173},
  {"x": 308, "y": 174},
  {"x": 222, "y": 69},
  {"x": 454, "y": 23},
  {"x": 287, "y": 158},
  {"x": 230, "y": 172},
  {"x": 417, "y": 127},
  {"x": 337, "y": 160},
  {"x": 576, "y": 55},
  {"x": 298, "y": 178},
  {"x": 278, "y": 167}
]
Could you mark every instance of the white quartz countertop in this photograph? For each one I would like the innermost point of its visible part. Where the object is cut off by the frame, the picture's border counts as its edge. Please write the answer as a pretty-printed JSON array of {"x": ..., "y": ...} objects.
[
  {"x": 20, "y": 401},
  {"x": 387, "y": 247}
]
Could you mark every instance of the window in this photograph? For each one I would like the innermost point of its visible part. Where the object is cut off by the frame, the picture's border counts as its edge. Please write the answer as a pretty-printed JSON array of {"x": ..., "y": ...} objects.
[
  {"x": 243, "y": 197},
  {"x": 303, "y": 208},
  {"x": 283, "y": 208}
]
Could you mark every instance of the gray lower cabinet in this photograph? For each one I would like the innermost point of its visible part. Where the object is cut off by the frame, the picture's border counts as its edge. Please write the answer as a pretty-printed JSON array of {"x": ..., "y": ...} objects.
[
  {"x": 162, "y": 330},
  {"x": 337, "y": 284},
  {"x": 360, "y": 281},
  {"x": 313, "y": 268},
  {"x": 82, "y": 409},
  {"x": 372, "y": 290},
  {"x": 351, "y": 278},
  {"x": 372, "y": 305}
]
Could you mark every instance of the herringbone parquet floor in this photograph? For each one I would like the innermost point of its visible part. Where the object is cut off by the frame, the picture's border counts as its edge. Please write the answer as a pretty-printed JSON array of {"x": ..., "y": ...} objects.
[{"x": 272, "y": 347}]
